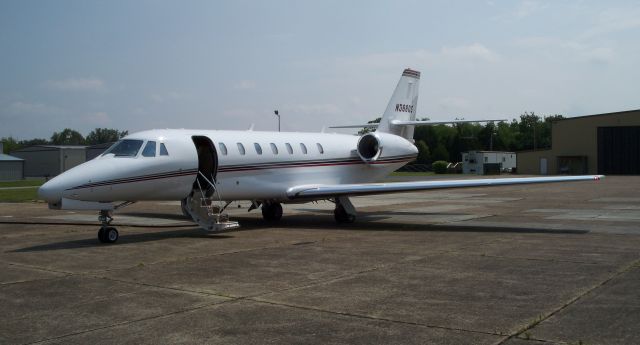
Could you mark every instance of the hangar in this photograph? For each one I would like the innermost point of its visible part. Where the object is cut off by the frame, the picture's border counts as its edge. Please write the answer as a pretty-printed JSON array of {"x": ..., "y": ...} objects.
[
  {"x": 50, "y": 160},
  {"x": 94, "y": 151},
  {"x": 593, "y": 144},
  {"x": 11, "y": 168}
]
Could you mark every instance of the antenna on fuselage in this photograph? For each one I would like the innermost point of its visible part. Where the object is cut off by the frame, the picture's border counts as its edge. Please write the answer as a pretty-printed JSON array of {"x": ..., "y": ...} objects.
[{"x": 251, "y": 127}]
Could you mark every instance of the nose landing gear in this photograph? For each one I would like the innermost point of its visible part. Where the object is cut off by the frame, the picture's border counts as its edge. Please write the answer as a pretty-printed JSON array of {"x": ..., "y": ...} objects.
[{"x": 107, "y": 234}]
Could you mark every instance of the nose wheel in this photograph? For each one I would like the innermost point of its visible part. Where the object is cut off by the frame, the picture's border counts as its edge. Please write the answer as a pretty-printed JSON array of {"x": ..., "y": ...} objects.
[{"x": 107, "y": 234}]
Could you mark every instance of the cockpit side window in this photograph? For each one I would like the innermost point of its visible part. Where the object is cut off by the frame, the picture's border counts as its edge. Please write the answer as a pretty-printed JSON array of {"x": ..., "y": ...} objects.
[
  {"x": 125, "y": 148},
  {"x": 163, "y": 150},
  {"x": 149, "y": 149}
]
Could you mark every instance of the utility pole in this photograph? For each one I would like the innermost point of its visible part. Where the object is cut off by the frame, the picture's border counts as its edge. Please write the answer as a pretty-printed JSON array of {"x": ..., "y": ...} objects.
[{"x": 278, "y": 115}]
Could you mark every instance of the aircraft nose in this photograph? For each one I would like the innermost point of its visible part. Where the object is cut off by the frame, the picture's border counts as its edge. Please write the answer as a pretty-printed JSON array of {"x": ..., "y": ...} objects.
[{"x": 50, "y": 192}]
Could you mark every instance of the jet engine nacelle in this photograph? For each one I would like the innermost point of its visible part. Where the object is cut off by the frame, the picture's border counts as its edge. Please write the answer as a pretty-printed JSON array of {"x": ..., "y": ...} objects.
[{"x": 369, "y": 147}]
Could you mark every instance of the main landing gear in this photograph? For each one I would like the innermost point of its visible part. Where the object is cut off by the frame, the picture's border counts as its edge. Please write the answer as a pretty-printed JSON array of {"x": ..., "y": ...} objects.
[
  {"x": 107, "y": 234},
  {"x": 344, "y": 211},
  {"x": 272, "y": 212}
]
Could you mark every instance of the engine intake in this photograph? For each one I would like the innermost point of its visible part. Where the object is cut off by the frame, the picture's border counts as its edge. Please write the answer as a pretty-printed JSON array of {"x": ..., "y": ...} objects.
[{"x": 369, "y": 147}]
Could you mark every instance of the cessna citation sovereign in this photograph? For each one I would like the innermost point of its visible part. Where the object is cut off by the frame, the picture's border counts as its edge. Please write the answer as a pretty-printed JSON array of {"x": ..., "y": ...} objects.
[{"x": 204, "y": 168}]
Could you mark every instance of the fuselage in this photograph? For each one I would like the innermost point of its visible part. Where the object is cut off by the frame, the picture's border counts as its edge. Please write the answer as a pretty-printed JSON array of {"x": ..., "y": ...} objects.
[{"x": 247, "y": 165}]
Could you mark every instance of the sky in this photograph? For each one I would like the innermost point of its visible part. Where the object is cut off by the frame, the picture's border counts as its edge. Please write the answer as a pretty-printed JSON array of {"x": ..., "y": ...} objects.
[{"x": 136, "y": 65}]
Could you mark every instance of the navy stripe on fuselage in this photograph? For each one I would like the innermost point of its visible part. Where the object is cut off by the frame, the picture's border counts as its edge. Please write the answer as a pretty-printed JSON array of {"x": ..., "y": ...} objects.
[{"x": 237, "y": 168}]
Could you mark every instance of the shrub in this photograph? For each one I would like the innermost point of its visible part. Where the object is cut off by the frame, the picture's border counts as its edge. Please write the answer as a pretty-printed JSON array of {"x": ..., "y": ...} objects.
[{"x": 439, "y": 167}]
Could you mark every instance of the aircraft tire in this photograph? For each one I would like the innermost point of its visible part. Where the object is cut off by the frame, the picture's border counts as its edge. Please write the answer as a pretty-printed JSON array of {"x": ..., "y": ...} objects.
[
  {"x": 108, "y": 235},
  {"x": 101, "y": 235},
  {"x": 341, "y": 216},
  {"x": 272, "y": 212}
]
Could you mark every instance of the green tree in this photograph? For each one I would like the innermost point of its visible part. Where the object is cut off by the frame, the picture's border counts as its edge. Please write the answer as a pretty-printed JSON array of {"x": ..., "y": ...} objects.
[
  {"x": 424, "y": 155},
  {"x": 369, "y": 129},
  {"x": 31, "y": 142},
  {"x": 440, "y": 153},
  {"x": 67, "y": 137},
  {"x": 10, "y": 144},
  {"x": 104, "y": 135}
]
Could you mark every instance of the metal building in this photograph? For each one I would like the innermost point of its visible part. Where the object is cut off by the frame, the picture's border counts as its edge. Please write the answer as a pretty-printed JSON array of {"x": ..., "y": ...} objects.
[
  {"x": 94, "y": 151},
  {"x": 487, "y": 162},
  {"x": 594, "y": 144},
  {"x": 50, "y": 160},
  {"x": 11, "y": 168}
]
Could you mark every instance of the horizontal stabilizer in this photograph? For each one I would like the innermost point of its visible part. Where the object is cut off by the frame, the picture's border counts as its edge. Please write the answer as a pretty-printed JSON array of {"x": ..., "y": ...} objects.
[
  {"x": 319, "y": 191},
  {"x": 368, "y": 125},
  {"x": 416, "y": 123},
  {"x": 433, "y": 123}
]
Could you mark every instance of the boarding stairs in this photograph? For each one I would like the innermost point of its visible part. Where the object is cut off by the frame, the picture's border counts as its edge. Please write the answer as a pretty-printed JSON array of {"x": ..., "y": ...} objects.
[{"x": 206, "y": 207}]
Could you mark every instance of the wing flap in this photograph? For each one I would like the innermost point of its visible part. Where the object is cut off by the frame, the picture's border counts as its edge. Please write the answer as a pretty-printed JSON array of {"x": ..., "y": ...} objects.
[{"x": 319, "y": 191}]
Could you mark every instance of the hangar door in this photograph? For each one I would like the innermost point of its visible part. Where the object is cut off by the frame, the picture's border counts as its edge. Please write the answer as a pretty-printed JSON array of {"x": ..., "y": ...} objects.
[{"x": 619, "y": 150}]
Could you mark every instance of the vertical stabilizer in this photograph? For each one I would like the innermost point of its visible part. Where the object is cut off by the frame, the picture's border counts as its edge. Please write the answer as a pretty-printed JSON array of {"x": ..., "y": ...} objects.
[{"x": 402, "y": 105}]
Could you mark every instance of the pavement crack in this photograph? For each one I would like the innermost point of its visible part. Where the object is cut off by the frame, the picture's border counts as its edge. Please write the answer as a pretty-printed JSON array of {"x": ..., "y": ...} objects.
[
  {"x": 368, "y": 317},
  {"x": 573, "y": 300},
  {"x": 124, "y": 323}
]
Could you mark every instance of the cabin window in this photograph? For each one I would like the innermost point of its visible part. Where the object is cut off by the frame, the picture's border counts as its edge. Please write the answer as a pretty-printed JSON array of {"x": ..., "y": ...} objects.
[
  {"x": 125, "y": 148},
  {"x": 223, "y": 148},
  {"x": 258, "y": 148},
  {"x": 320, "y": 148},
  {"x": 163, "y": 150},
  {"x": 289, "y": 148},
  {"x": 274, "y": 148},
  {"x": 149, "y": 149},
  {"x": 241, "y": 149},
  {"x": 303, "y": 148}
]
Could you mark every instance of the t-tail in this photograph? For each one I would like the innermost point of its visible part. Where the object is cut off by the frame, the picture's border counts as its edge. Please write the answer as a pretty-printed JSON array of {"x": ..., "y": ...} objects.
[
  {"x": 400, "y": 116},
  {"x": 402, "y": 105}
]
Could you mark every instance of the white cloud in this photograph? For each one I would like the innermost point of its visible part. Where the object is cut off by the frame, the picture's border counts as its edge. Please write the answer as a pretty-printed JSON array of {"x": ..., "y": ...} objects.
[
  {"x": 98, "y": 118},
  {"x": 475, "y": 51},
  {"x": 245, "y": 85},
  {"x": 75, "y": 84},
  {"x": 567, "y": 50},
  {"x": 312, "y": 109},
  {"x": 613, "y": 20},
  {"x": 454, "y": 103},
  {"x": 32, "y": 108},
  {"x": 169, "y": 96},
  {"x": 527, "y": 8}
]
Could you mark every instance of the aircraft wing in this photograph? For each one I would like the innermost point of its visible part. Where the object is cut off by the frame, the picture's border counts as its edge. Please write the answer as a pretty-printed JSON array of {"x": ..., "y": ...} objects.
[{"x": 321, "y": 191}]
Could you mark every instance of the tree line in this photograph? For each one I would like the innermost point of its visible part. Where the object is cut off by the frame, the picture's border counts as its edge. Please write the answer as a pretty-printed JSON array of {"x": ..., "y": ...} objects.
[
  {"x": 441, "y": 142},
  {"x": 67, "y": 137},
  {"x": 447, "y": 142}
]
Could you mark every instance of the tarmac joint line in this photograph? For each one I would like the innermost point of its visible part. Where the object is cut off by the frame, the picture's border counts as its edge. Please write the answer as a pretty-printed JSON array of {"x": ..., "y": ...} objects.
[{"x": 544, "y": 317}]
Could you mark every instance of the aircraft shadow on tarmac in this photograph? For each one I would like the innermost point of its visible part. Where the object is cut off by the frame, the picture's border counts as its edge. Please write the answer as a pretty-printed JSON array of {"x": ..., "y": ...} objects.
[{"x": 365, "y": 222}]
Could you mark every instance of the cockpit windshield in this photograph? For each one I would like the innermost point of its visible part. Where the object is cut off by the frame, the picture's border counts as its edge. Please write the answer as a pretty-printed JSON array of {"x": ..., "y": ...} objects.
[{"x": 125, "y": 148}]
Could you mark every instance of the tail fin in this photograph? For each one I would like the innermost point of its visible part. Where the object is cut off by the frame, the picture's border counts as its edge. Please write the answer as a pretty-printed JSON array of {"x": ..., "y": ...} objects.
[{"x": 402, "y": 106}]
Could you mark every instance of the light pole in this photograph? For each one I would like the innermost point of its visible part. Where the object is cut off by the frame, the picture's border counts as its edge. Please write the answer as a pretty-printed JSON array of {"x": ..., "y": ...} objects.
[{"x": 278, "y": 115}]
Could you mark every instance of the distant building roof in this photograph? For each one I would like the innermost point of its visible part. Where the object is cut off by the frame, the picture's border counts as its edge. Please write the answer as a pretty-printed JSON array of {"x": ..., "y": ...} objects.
[
  {"x": 4, "y": 157},
  {"x": 480, "y": 151},
  {"x": 624, "y": 112},
  {"x": 101, "y": 146},
  {"x": 51, "y": 147}
]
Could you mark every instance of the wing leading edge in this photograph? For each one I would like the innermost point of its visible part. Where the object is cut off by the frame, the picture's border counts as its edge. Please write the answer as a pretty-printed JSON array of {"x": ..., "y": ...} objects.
[{"x": 320, "y": 191}]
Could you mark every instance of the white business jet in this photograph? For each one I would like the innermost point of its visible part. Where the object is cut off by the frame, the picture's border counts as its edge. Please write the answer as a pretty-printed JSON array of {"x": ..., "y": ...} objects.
[{"x": 208, "y": 169}]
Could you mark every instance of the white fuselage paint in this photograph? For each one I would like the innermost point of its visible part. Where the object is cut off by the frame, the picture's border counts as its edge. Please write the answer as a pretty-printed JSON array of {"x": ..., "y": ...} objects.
[{"x": 251, "y": 176}]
